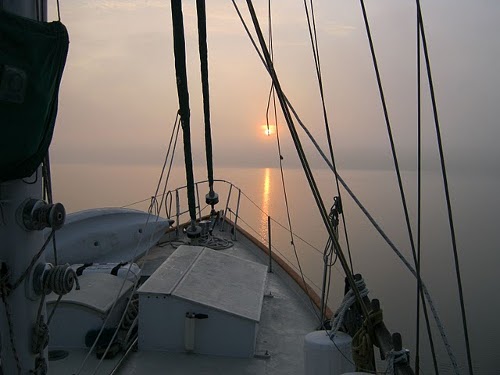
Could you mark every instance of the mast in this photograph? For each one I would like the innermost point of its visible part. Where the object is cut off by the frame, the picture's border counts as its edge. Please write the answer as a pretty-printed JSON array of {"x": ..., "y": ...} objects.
[{"x": 22, "y": 216}]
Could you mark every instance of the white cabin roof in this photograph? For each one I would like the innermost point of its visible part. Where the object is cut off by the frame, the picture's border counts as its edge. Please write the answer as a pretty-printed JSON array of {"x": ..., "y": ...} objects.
[{"x": 210, "y": 278}]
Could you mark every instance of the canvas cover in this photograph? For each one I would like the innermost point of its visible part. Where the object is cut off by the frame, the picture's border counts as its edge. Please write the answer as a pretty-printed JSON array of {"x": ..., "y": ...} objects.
[{"x": 32, "y": 59}]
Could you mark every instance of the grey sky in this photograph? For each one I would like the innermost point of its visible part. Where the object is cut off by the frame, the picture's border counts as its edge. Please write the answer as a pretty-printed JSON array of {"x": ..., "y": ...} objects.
[{"x": 118, "y": 97}]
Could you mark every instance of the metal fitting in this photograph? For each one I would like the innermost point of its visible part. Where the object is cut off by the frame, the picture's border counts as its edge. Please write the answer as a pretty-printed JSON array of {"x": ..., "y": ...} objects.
[
  {"x": 38, "y": 215},
  {"x": 212, "y": 198}
]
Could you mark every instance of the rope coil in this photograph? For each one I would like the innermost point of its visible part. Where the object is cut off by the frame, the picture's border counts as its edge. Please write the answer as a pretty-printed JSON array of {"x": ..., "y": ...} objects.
[
  {"x": 347, "y": 302},
  {"x": 396, "y": 356},
  {"x": 215, "y": 243},
  {"x": 363, "y": 341},
  {"x": 60, "y": 280}
]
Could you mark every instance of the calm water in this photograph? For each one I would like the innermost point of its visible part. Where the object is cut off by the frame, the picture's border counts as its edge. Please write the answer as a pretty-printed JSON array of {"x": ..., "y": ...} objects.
[{"x": 476, "y": 210}]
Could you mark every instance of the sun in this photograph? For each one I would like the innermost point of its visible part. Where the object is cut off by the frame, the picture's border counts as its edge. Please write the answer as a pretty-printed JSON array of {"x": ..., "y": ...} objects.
[{"x": 268, "y": 129}]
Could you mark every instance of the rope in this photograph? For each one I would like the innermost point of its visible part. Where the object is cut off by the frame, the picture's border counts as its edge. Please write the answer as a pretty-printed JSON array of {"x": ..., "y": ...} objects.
[
  {"x": 202, "y": 42},
  {"x": 394, "y": 357},
  {"x": 281, "y": 225},
  {"x": 315, "y": 50},
  {"x": 130, "y": 320},
  {"x": 5, "y": 290},
  {"x": 113, "y": 306},
  {"x": 446, "y": 190},
  {"x": 362, "y": 342},
  {"x": 419, "y": 206},
  {"x": 396, "y": 167},
  {"x": 60, "y": 280},
  {"x": 49, "y": 319},
  {"x": 327, "y": 255},
  {"x": 47, "y": 187},
  {"x": 175, "y": 130},
  {"x": 134, "y": 288},
  {"x": 40, "y": 337},
  {"x": 280, "y": 159},
  {"x": 298, "y": 146},
  {"x": 347, "y": 302},
  {"x": 386, "y": 239},
  {"x": 183, "y": 94},
  {"x": 163, "y": 199},
  {"x": 32, "y": 263},
  {"x": 58, "y": 11},
  {"x": 300, "y": 152},
  {"x": 215, "y": 243},
  {"x": 131, "y": 314},
  {"x": 283, "y": 256}
]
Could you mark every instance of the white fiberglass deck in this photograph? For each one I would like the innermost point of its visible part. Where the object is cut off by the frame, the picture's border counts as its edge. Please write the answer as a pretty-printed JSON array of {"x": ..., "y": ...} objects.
[{"x": 285, "y": 319}]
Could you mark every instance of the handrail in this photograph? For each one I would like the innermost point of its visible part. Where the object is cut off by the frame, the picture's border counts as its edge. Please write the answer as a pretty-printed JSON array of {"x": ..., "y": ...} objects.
[{"x": 384, "y": 340}]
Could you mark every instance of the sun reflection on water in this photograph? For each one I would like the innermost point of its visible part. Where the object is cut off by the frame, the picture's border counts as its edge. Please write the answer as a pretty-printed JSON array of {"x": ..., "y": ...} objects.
[{"x": 265, "y": 203}]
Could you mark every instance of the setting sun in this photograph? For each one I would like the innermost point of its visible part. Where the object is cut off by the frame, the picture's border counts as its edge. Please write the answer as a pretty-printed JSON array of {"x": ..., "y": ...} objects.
[{"x": 268, "y": 130}]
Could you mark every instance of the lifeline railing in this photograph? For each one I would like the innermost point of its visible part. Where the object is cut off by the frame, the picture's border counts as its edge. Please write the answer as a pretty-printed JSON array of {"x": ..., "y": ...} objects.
[
  {"x": 169, "y": 197},
  {"x": 170, "y": 202},
  {"x": 387, "y": 343}
]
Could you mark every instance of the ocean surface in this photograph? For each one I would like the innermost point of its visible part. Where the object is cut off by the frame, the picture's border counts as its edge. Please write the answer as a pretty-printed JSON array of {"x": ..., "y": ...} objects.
[{"x": 475, "y": 207}]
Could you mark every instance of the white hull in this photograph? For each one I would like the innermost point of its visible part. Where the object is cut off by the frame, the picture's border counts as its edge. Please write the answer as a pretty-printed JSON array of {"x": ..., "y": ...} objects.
[{"x": 106, "y": 235}]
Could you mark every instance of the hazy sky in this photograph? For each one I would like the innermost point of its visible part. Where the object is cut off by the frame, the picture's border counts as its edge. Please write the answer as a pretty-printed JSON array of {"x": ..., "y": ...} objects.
[{"x": 118, "y": 98}]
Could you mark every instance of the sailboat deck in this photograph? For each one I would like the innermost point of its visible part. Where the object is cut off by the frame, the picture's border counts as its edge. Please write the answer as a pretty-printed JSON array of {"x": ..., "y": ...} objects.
[{"x": 286, "y": 318}]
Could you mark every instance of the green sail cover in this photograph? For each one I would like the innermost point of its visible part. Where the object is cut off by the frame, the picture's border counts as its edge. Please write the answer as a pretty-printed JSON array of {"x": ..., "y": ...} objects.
[{"x": 32, "y": 58}]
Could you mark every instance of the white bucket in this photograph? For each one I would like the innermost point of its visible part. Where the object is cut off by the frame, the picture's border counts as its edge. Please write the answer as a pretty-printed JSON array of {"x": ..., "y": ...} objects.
[{"x": 325, "y": 356}]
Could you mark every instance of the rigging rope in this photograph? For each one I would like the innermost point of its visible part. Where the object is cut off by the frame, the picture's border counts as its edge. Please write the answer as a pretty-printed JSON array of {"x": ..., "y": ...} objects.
[
  {"x": 202, "y": 41},
  {"x": 419, "y": 205},
  {"x": 175, "y": 131},
  {"x": 358, "y": 202},
  {"x": 397, "y": 169},
  {"x": 130, "y": 300},
  {"x": 280, "y": 158},
  {"x": 300, "y": 151},
  {"x": 315, "y": 50},
  {"x": 384, "y": 236},
  {"x": 164, "y": 197},
  {"x": 183, "y": 93},
  {"x": 283, "y": 256},
  {"x": 327, "y": 255},
  {"x": 58, "y": 11},
  {"x": 347, "y": 302},
  {"x": 446, "y": 188},
  {"x": 47, "y": 192},
  {"x": 5, "y": 290},
  {"x": 33, "y": 261}
]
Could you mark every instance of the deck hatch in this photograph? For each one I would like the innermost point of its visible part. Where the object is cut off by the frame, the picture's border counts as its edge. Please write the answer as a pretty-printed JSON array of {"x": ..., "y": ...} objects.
[{"x": 200, "y": 280}]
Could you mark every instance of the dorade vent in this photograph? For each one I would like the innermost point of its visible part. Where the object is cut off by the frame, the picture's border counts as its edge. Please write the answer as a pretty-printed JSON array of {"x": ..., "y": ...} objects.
[{"x": 199, "y": 282}]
